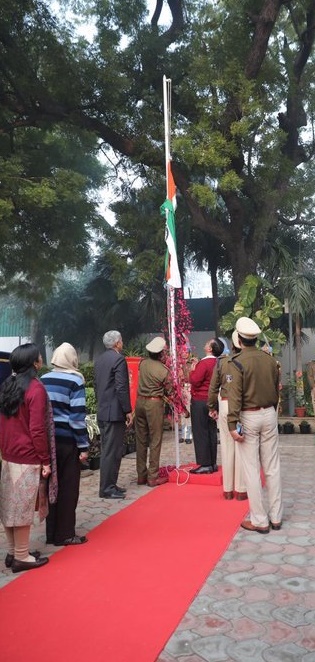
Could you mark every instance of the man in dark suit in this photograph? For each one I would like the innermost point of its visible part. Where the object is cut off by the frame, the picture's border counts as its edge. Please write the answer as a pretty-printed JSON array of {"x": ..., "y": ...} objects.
[{"x": 113, "y": 411}]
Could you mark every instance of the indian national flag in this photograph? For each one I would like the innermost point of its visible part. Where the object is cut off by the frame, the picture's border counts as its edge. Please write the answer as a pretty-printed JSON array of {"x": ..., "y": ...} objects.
[{"x": 172, "y": 275}]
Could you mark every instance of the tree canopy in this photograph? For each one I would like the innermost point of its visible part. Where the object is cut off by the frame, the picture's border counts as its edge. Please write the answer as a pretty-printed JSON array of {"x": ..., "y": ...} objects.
[{"x": 242, "y": 104}]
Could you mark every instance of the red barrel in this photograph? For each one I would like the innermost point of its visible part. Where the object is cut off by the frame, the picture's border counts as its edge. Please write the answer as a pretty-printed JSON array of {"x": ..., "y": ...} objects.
[{"x": 133, "y": 363}]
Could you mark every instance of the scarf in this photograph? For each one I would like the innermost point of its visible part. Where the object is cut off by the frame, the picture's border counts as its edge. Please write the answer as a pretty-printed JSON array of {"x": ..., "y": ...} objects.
[
  {"x": 48, "y": 488},
  {"x": 65, "y": 359}
]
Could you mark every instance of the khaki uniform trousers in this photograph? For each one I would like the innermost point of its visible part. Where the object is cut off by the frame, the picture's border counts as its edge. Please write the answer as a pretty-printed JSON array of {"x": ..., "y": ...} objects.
[
  {"x": 261, "y": 448},
  {"x": 232, "y": 471},
  {"x": 149, "y": 420}
]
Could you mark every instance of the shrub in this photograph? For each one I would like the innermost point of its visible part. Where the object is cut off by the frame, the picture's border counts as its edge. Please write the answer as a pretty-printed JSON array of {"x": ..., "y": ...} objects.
[
  {"x": 43, "y": 370},
  {"x": 91, "y": 405},
  {"x": 87, "y": 370}
]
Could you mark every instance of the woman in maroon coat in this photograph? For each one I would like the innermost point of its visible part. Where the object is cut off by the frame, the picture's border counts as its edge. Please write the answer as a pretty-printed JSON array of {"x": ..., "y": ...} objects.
[{"x": 25, "y": 454}]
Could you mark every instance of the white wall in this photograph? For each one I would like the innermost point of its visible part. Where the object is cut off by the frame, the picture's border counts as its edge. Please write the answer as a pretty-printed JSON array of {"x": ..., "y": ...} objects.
[{"x": 8, "y": 344}]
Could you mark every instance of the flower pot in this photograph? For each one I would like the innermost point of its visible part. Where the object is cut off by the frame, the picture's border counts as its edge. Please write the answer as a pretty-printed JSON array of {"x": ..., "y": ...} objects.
[
  {"x": 95, "y": 462},
  {"x": 288, "y": 428},
  {"x": 300, "y": 411},
  {"x": 305, "y": 427}
]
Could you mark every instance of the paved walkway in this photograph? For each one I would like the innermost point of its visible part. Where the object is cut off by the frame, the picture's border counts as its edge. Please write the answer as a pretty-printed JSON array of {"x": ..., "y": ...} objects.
[{"x": 258, "y": 605}]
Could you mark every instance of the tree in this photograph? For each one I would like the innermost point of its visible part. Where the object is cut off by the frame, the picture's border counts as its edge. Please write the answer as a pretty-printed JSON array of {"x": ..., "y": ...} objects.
[
  {"x": 242, "y": 107},
  {"x": 84, "y": 305},
  {"x": 48, "y": 205},
  {"x": 298, "y": 286}
]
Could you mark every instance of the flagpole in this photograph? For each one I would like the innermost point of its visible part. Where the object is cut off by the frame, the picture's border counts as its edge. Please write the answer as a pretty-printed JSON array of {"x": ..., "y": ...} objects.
[{"x": 167, "y": 86}]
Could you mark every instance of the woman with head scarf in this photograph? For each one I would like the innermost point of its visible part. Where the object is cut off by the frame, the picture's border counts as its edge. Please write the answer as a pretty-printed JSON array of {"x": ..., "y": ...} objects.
[
  {"x": 66, "y": 391},
  {"x": 26, "y": 456}
]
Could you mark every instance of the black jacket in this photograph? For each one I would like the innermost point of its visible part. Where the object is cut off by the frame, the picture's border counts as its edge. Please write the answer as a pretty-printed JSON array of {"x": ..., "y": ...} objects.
[{"x": 112, "y": 387}]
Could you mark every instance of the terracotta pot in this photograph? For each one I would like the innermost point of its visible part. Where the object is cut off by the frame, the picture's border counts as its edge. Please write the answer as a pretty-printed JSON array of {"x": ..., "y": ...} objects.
[{"x": 300, "y": 412}]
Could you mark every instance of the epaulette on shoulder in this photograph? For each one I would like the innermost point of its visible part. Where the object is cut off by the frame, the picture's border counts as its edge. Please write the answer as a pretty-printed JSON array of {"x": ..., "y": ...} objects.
[{"x": 236, "y": 362}]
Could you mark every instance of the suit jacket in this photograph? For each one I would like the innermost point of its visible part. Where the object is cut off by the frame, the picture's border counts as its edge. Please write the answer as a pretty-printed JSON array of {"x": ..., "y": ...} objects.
[{"x": 112, "y": 387}]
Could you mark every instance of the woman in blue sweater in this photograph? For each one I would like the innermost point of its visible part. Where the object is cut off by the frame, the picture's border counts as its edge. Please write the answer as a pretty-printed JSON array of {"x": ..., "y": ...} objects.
[{"x": 66, "y": 391}]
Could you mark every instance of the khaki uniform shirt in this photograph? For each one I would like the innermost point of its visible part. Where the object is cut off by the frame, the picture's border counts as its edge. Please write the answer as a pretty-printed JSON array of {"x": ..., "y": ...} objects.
[
  {"x": 254, "y": 383},
  {"x": 220, "y": 381},
  {"x": 153, "y": 379}
]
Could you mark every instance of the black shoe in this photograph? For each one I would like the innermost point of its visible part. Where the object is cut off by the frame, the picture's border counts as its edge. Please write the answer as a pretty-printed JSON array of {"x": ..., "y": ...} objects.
[
  {"x": 201, "y": 470},
  {"x": 188, "y": 441},
  {"x": 181, "y": 440},
  {"x": 20, "y": 566},
  {"x": 75, "y": 540},
  {"x": 276, "y": 526},
  {"x": 113, "y": 494},
  {"x": 122, "y": 490},
  {"x": 9, "y": 558}
]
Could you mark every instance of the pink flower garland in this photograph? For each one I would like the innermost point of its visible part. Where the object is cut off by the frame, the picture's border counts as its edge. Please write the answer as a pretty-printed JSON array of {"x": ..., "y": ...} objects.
[{"x": 183, "y": 326}]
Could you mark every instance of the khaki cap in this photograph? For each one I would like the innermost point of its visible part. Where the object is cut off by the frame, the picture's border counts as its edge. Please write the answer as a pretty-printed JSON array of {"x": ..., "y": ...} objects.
[
  {"x": 247, "y": 328},
  {"x": 235, "y": 340},
  {"x": 156, "y": 345}
]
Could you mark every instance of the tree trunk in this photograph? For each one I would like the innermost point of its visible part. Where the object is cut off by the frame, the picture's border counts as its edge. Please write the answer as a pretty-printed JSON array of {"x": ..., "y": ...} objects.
[{"x": 298, "y": 344}]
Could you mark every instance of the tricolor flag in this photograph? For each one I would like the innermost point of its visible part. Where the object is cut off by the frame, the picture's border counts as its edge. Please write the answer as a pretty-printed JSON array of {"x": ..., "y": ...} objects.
[{"x": 172, "y": 275}]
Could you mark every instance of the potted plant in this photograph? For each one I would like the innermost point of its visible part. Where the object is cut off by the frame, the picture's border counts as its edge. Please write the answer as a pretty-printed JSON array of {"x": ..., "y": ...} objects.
[
  {"x": 305, "y": 427},
  {"x": 288, "y": 427},
  {"x": 95, "y": 441},
  {"x": 300, "y": 408},
  {"x": 295, "y": 388}
]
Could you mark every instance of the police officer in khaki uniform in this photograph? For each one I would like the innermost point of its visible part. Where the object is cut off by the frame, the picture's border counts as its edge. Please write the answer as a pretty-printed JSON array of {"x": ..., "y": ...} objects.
[
  {"x": 232, "y": 473},
  {"x": 149, "y": 413},
  {"x": 253, "y": 399}
]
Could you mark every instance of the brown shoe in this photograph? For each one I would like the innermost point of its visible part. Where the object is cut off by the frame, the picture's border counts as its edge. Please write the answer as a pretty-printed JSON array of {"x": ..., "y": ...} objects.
[
  {"x": 241, "y": 496},
  {"x": 276, "y": 526},
  {"x": 228, "y": 495},
  {"x": 246, "y": 524},
  {"x": 141, "y": 481},
  {"x": 157, "y": 481}
]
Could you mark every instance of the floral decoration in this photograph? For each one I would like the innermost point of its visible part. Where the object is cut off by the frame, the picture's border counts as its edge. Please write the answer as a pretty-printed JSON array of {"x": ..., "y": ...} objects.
[{"x": 178, "y": 373}]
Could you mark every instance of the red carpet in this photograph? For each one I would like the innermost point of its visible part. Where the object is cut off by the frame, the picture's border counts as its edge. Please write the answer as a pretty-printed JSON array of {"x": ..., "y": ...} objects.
[
  {"x": 120, "y": 597},
  {"x": 182, "y": 476}
]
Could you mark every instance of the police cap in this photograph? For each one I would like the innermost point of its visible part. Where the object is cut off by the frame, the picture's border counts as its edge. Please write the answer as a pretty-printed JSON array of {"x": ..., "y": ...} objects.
[
  {"x": 235, "y": 340},
  {"x": 156, "y": 345},
  {"x": 247, "y": 328}
]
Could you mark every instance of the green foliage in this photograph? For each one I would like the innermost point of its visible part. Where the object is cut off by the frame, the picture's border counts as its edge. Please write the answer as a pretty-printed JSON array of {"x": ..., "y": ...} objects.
[
  {"x": 94, "y": 435},
  {"x": 87, "y": 370},
  {"x": 43, "y": 370},
  {"x": 91, "y": 404},
  {"x": 46, "y": 206},
  {"x": 136, "y": 347},
  {"x": 242, "y": 112},
  {"x": 204, "y": 195},
  {"x": 254, "y": 292}
]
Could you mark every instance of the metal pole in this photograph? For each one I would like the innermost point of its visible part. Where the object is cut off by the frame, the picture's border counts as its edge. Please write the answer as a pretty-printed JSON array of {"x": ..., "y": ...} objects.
[{"x": 170, "y": 289}]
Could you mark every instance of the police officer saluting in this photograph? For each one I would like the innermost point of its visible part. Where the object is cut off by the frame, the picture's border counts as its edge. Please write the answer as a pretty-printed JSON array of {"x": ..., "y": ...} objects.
[
  {"x": 154, "y": 383},
  {"x": 253, "y": 400}
]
